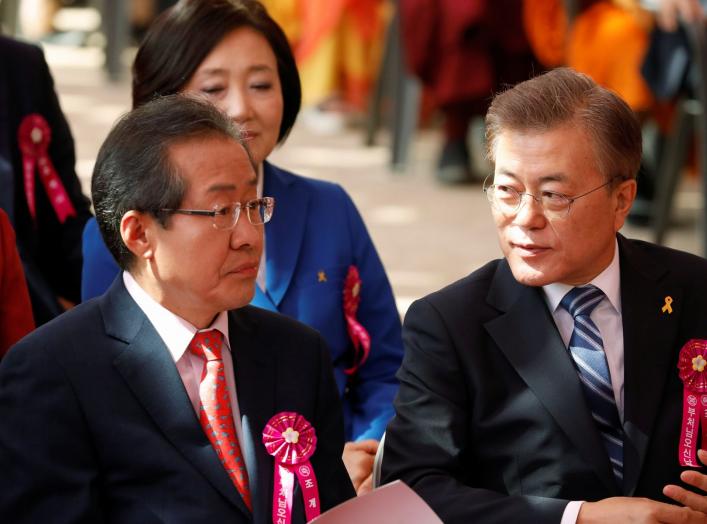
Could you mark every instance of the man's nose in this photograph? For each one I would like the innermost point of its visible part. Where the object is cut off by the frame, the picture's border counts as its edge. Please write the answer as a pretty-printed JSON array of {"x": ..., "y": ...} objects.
[
  {"x": 245, "y": 234},
  {"x": 530, "y": 213}
]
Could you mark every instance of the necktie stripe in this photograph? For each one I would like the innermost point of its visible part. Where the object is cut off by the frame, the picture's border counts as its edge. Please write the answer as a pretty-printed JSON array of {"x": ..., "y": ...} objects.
[
  {"x": 602, "y": 382},
  {"x": 587, "y": 350},
  {"x": 589, "y": 325},
  {"x": 579, "y": 333}
]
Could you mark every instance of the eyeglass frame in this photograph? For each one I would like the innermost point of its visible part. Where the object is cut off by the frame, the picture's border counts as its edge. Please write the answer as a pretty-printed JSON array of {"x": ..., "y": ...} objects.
[
  {"x": 570, "y": 200},
  {"x": 269, "y": 202}
]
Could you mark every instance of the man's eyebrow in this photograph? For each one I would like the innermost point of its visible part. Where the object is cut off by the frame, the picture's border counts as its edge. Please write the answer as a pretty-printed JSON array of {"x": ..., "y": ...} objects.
[
  {"x": 221, "y": 187},
  {"x": 552, "y": 177}
]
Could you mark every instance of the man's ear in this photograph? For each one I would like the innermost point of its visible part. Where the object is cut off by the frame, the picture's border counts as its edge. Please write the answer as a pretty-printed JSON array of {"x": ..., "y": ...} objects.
[
  {"x": 135, "y": 230},
  {"x": 625, "y": 194}
]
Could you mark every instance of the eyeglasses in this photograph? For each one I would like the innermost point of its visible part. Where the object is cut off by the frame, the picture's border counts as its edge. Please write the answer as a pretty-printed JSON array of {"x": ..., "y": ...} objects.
[
  {"x": 258, "y": 210},
  {"x": 555, "y": 205}
]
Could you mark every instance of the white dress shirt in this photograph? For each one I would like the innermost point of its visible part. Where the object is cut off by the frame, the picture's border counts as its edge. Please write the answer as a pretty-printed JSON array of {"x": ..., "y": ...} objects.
[
  {"x": 177, "y": 333},
  {"x": 607, "y": 317}
]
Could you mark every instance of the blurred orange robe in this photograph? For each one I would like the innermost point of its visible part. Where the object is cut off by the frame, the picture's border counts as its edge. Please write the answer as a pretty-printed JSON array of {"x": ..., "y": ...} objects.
[
  {"x": 607, "y": 41},
  {"x": 337, "y": 44}
]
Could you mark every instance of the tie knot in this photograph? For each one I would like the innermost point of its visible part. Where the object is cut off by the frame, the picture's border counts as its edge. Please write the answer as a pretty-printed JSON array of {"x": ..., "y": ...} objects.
[
  {"x": 207, "y": 344},
  {"x": 581, "y": 301}
]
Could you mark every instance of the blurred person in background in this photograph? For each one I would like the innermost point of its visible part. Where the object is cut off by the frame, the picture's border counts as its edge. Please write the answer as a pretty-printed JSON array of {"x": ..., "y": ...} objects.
[
  {"x": 319, "y": 265},
  {"x": 463, "y": 52},
  {"x": 16, "y": 318},
  {"x": 39, "y": 189},
  {"x": 338, "y": 46}
]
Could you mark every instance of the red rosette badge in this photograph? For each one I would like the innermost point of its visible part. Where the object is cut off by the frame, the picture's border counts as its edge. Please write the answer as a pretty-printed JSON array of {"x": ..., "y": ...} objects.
[
  {"x": 358, "y": 334},
  {"x": 692, "y": 368},
  {"x": 291, "y": 440},
  {"x": 34, "y": 136}
]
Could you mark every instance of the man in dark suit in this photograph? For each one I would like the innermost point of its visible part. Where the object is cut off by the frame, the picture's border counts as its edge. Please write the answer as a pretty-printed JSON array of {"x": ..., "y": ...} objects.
[
  {"x": 48, "y": 241},
  {"x": 107, "y": 411},
  {"x": 543, "y": 387}
]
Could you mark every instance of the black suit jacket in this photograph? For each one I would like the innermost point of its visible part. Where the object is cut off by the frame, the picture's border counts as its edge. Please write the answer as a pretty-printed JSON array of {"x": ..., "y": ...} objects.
[
  {"x": 491, "y": 424},
  {"x": 50, "y": 251},
  {"x": 97, "y": 426}
]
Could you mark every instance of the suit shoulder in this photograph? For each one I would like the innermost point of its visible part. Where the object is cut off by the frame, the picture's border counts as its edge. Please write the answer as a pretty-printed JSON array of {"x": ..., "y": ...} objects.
[
  {"x": 65, "y": 334},
  {"x": 19, "y": 51},
  {"x": 313, "y": 185},
  {"x": 686, "y": 265},
  {"x": 474, "y": 284},
  {"x": 274, "y": 323}
]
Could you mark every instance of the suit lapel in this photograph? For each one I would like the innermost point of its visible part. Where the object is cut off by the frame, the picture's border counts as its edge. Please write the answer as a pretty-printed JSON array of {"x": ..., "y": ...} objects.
[
  {"x": 151, "y": 374},
  {"x": 285, "y": 232},
  {"x": 256, "y": 384},
  {"x": 648, "y": 335},
  {"x": 527, "y": 335}
]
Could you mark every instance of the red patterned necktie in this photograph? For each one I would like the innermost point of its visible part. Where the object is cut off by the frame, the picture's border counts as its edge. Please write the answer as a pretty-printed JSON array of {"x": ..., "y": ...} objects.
[{"x": 215, "y": 412}]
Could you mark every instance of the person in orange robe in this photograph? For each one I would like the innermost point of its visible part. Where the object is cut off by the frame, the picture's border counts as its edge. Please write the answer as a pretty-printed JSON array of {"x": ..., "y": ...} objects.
[{"x": 16, "y": 318}]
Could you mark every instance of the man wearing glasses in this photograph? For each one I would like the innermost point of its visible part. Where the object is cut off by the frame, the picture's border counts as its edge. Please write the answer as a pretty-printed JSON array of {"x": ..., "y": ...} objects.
[
  {"x": 149, "y": 403},
  {"x": 544, "y": 387}
]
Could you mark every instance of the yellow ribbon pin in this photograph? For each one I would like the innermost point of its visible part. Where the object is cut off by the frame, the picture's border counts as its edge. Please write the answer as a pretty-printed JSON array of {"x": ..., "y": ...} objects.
[
  {"x": 321, "y": 276},
  {"x": 667, "y": 307}
]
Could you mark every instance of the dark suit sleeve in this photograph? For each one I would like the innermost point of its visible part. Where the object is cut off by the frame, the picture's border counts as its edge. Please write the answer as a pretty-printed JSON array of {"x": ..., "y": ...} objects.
[
  {"x": 374, "y": 385},
  {"x": 49, "y": 471},
  {"x": 334, "y": 484},
  {"x": 60, "y": 244},
  {"x": 429, "y": 443}
]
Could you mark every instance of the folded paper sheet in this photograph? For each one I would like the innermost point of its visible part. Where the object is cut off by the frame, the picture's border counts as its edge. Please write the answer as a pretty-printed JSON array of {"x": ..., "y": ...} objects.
[{"x": 394, "y": 503}]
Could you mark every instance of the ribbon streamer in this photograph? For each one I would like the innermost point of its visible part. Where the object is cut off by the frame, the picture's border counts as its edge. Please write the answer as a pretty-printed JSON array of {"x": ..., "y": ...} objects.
[
  {"x": 291, "y": 440},
  {"x": 692, "y": 368},
  {"x": 34, "y": 137},
  {"x": 359, "y": 336}
]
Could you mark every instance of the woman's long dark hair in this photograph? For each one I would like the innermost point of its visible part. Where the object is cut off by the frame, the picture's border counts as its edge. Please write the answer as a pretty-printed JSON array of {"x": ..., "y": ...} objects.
[{"x": 180, "y": 39}]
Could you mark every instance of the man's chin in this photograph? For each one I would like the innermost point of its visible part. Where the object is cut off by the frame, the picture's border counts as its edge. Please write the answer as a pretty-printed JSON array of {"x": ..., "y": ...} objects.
[{"x": 529, "y": 275}]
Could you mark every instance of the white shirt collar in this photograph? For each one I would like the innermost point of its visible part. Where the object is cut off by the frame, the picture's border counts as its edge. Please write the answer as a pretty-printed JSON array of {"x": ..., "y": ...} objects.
[
  {"x": 174, "y": 330},
  {"x": 609, "y": 281}
]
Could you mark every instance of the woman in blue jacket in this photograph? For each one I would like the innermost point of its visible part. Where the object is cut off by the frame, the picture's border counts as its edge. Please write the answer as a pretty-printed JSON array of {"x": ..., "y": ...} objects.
[{"x": 318, "y": 253}]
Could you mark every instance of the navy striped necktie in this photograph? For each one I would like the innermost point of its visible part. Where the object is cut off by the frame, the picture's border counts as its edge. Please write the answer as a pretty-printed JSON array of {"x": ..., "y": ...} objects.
[{"x": 587, "y": 349}]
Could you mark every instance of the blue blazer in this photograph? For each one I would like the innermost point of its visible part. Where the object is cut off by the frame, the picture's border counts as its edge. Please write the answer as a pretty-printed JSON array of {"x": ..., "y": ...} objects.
[
  {"x": 113, "y": 436},
  {"x": 316, "y": 229}
]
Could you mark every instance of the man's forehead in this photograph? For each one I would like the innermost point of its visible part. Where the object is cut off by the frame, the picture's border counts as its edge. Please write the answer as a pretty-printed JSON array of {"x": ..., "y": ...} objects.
[{"x": 196, "y": 154}]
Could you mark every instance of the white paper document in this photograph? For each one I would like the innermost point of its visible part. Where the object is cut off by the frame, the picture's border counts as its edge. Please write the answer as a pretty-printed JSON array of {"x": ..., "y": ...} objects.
[{"x": 394, "y": 503}]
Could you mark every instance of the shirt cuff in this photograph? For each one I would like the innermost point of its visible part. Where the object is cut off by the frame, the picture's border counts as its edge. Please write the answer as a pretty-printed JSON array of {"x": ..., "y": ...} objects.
[{"x": 571, "y": 512}]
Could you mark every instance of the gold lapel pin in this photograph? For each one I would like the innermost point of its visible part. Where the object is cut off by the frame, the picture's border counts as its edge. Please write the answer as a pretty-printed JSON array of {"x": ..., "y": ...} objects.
[
  {"x": 321, "y": 276},
  {"x": 667, "y": 307}
]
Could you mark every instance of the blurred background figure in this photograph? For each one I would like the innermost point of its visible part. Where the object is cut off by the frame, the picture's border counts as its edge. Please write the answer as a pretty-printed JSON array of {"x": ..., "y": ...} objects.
[
  {"x": 39, "y": 189},
  {"x": 463, "y": 52},
  {"x": 16, "y": 318},
  {"x": 337, "y": 45}
]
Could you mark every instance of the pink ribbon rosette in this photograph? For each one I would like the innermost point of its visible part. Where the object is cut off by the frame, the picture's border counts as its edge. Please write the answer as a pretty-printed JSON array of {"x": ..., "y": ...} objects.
[
  {"x": 692, "y": 367},
  {"x": 357, "y": 333},
  {"x": 34, "y": 136},
  {"x": 291, "y": 440}
]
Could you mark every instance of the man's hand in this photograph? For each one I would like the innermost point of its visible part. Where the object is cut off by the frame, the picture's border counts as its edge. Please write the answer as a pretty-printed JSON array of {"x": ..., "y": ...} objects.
[
  {"x": 358, "y": 459},
  {"x": 638, "y": 511},
  {"x": 670, "y": 11},
  {"x": 693, "y": 478}
]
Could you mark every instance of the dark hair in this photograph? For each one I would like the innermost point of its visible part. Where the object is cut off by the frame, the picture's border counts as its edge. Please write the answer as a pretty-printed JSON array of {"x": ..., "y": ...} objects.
[
  {"x": 564, "y": 96},
  {"x": 179, "y": 40},
  {"x": 134, "y": 170}
]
